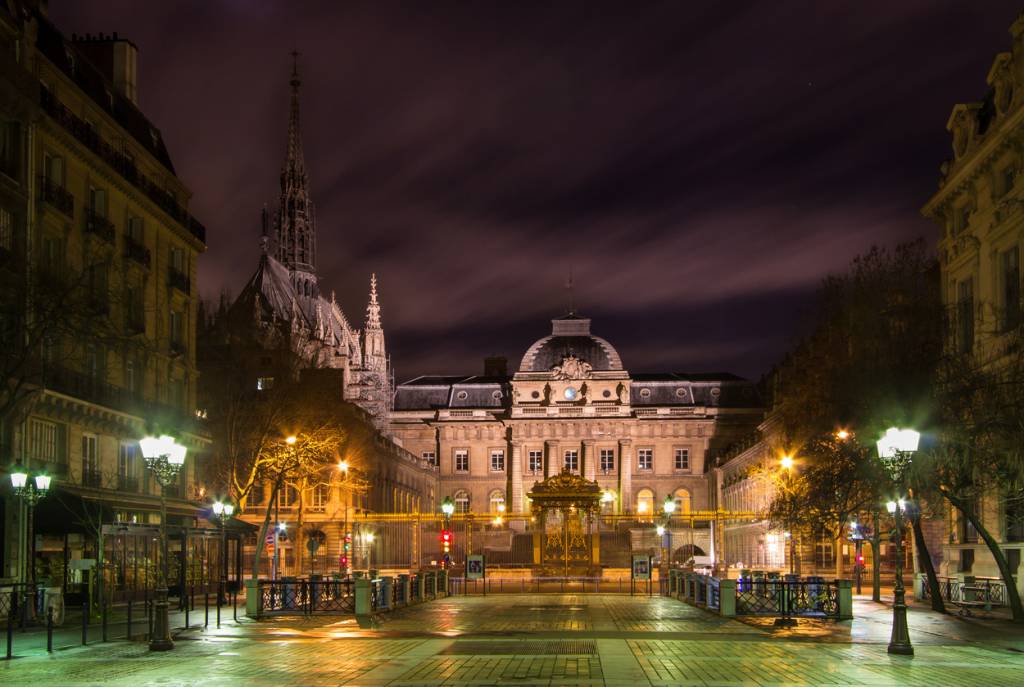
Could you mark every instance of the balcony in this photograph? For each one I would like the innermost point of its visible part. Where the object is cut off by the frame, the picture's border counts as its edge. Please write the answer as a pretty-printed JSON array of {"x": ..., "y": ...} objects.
[
  {"x": 98, "y": 225},
  {"x": 57, "y": 196},
  {"x": 135, "y": 323},
  {"x": 128, "y": 483},
  {"x": 98, "y": 305},
  {"x": 177, "y": 347},
  {"x": 119, "y": 162},
  {"x": 179, "y": 280},
  {"x": 92, "y": 478},
  {"x": 136, "y": 251}
]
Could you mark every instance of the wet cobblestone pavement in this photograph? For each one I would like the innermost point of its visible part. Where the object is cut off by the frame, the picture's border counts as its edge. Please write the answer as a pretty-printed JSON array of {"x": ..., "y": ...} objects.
[{"x": 548, "y": 640}]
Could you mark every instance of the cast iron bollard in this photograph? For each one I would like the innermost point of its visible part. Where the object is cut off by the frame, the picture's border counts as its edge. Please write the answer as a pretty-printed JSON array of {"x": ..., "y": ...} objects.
[
  {"x": 128, "y": 631},
  {"x": 149, "y": 618},
  {"x": 103, "y": 620},
  {"x": 234, "y": 605},
  {"x": 185, "y": 596},
  {"x": 206, "y": 599},
  {"x": 85, "y": 623},
  {"x": 49, "y": 629},
  {"x": 219, "y": 593}
]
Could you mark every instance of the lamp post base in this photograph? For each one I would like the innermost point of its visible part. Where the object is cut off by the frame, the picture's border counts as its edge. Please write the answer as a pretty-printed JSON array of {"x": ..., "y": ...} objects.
[
  {"x": 161, "y": 639},
  {"x": 899, "y": 642}
]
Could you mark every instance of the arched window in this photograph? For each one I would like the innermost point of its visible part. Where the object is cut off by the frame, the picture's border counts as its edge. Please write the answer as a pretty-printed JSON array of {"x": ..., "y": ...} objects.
[
  {"x": 461, "y": 502},
  {"x": 497, "y": 501},
  {"x": 682, "y": 498},
  {"x": 645, "y": 502}
]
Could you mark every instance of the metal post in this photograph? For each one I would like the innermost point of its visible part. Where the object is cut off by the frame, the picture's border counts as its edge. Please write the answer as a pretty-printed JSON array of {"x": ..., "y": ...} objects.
[
  {"x": 206, "y": 600},
  {"x": 187, "y": 605},
  {"x": 234, "y": 605},
  {"x": 160, "y": 637},
  {"x": 899, "y": 641},
  {"x": 10, "y": 621},
  {"x": 49, "y": 629},
  {"x": 128, "y": 631},
  {"x": 103, "y": 620},
  {"x": 85, "y": 623}
]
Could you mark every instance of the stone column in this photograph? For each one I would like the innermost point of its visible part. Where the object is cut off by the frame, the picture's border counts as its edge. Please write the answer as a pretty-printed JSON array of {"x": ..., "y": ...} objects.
[
  {"x": 515, "y": 504},
  {"x": 553, "y": 458},
  {"x": 589, "y": 464},
  {"x": 625, "y": 475}
]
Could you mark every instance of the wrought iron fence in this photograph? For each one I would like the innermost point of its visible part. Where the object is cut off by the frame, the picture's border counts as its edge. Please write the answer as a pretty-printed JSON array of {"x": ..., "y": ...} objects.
[
  {"x": 306, "y": 596},
  {"x": 550, "y": 585},
  {"x": 811, "y": 597},
  {"x": 987, "y": 592}
]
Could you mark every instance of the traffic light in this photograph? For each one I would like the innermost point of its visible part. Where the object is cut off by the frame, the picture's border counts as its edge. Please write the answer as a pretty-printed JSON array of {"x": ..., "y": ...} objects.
[
  {"x": 860, "y": 559},
  {"x": 346, "y": 549},
  {"x": 446, "y": 540}
]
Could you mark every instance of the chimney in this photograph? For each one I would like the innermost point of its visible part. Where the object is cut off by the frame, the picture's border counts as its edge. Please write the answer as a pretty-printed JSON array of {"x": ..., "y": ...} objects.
[
  {"x": 116, "y": 58},
  {"x": 496, "y": 366}
]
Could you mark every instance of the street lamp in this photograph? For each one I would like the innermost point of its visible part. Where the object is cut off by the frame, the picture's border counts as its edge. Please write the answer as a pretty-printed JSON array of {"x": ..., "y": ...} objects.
[
  {"x": 165, "y": 458},
  {"x": 222, "y": 512},
  {"x": 368, "y": 542},
  {"x": 30, "y": 490},
  {"x": 896, "y": 450},
  {"x": 787, "y": 462}
]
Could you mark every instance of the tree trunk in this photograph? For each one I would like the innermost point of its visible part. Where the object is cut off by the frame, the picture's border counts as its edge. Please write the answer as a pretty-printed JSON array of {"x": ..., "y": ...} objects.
[
  {"x": 925, "y": 561},
  {"x": 840, "y": 558},
  {"x": 1004, "y": 568},
  {"x": 262, "y": 539}
]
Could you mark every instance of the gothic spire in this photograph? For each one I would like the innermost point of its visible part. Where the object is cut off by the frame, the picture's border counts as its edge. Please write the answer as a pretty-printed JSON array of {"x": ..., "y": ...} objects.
[
  {"x": 295, "y": 221},
  {"x": 373, "y": 307}
]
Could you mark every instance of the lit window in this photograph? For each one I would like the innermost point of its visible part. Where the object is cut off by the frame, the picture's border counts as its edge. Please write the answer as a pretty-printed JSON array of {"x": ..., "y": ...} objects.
[
  {"x": 497, "y": 502},
  {"x": 461, "y": 502},
  {"x": 429, "y": 457},
  {"x": 682, "y": 499},
  {"x": 645, "y": 458},
  {"x": 535, "y": 462},
  {"x": 682, "y": 459},
  {"x": 264, "y": 383},
  {"x": 497, "y": 461},
  {"x": 319, "y": 498},
  {"x": 572, "y": 461},
  {"x": 645, "y": 501}
]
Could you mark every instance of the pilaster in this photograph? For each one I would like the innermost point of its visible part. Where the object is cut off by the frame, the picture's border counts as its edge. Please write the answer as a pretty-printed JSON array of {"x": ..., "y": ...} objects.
[
  {"x": 552, "y": 458},
  {"x": 589, "y": 460},
  {"x": 625, "y": 475},
  {"x": 515, "y": 504}
]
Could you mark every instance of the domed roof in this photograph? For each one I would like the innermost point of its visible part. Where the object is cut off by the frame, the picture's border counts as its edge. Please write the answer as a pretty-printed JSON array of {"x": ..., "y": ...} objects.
[{"x": 570, "y": 336}]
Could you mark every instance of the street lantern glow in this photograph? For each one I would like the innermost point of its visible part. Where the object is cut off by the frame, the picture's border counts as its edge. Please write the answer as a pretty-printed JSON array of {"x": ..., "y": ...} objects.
[
  {"x": 786, "y": 462},
  {"x": 368, "y": 537},
  {"x": 343, "y": 465},
  {"x": 19, "y": 478},
  {"x": 218, "y": 508},
  {"x": 447, "y": 506},
  {"x": 890, "y": 506},
  {"x": 661, "y": 530},
  {"x": 229, "y": 509},
  {"x": 641, "y": 507},
  {"x": 842, "y": 435},
  {"x": 283, "y": 526},
  {"x": 669, "y": 506},
  {"x": 898, "y": 441},
  {"x": 291, "y": 440},
  {"x": 608, "y": 496}
]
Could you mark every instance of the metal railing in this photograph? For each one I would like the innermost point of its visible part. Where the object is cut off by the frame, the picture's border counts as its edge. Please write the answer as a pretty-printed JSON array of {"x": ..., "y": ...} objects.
[
  {"x": 136, "y": 251},
  {"x": 56, "y": 195},
  {"x": 98, "y": 225},
  {"x": 306, "y": 596},
  {"x": 809, "y": 597},
  {"x": 550, "y": 585},
  {"x": 987, "y": 592}
]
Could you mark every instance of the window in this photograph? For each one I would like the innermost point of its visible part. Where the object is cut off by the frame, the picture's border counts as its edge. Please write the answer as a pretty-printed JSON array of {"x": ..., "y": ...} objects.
[
  {"x": 288, "y": 497},
  {"x": 319, "y": 498},
  {"x": 53, "y": 170},
  {"x": 645, "y": 501},
  {"x": 94, "y": 364},
  {"x": 823, "y": 554},
  {"x": 178, "y": 260},
  {"x": 968, "y": 535},
  {"x": 497, "y": 501},
  {"x": 46, "y": 441},
  {"x": 682, "y": 499},
  {"x": 177, "y": 330},
  {"x": 264, "y": 383},
  {"x": 965, "y": 316},
  {"x": 10, "y": 158},
  {"x": 1014, "y": 518},
  {"x": 966, "y": 560},
  {"x": 429, "y": 457},
  {"x": 461, "y": 502},
  {"x": 607, "y": 460},
  {"x": 52, "y": 258},
  {"x": 6, "y": 230},
  {"x": 136, "y": 229},
  {"x": 90, "y": 461},
  {"x": 132, "y": 374},
  {"x": 98, "y": 201},
  {"x": 497, "y": 461},
  {"x": 535, "y": 462},
  {"x": 462, "y": 460},
  {"x": 645, "y": 459},
  {"x": 572, "y": 461},
  {"x": 178, "y": 394},
  {"x": 126, "y": 460},
  {"x": 257, "y": 496},
  {"x": 682, "y": 459},
  {"x": 135, "y": 309},
  {"x": 1009, "y": 272}
]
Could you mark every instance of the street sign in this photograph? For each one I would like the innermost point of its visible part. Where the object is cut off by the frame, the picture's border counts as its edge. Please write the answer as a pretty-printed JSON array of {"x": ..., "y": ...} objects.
[
  {"x": 475, "y": 567},
  {"x": 641, "y": 567}
]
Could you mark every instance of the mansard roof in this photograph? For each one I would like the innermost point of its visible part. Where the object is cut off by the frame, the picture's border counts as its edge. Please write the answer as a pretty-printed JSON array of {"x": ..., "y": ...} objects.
[{"x": 570, "y": 336}]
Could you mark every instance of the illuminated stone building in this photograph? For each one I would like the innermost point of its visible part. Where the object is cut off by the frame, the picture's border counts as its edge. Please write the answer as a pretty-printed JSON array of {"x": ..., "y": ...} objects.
[
  {"x": 94, "y": 219},
  {"x": 572, "y": 404},
  {"x": 979, "y": 209}
]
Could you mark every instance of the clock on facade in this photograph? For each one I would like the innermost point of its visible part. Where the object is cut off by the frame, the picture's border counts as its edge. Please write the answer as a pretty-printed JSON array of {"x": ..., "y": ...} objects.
[{"x": 570, "y": 393}]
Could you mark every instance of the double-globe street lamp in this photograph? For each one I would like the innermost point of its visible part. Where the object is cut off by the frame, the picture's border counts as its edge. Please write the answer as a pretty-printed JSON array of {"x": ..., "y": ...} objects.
[
  {"x": 165, "y": 458},
  {"x": 896, "y": 450},
  {"x": 30, "y": 489},
  {"x": 664, "y": 531}
]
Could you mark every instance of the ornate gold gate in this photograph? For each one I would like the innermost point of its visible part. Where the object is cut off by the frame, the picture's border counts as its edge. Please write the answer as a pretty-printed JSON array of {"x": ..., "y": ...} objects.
[{"x": 565, "y": 537}]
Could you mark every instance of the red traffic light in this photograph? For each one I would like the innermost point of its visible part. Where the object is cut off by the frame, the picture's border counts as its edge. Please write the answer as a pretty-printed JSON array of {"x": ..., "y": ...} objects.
[{"x": 446, "y": 536}]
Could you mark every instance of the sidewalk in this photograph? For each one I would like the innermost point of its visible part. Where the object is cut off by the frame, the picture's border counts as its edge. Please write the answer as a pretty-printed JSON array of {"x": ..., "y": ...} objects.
[{"x": 32, "y": 640}]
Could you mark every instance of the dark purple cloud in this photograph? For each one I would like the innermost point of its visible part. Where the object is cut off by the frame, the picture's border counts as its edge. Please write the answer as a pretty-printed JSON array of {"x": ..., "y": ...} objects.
[{"x": 699, "y": 168}]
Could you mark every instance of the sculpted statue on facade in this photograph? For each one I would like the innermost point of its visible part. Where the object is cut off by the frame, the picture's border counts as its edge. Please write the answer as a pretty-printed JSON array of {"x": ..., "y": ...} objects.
[{"x": 572, "y": 368}]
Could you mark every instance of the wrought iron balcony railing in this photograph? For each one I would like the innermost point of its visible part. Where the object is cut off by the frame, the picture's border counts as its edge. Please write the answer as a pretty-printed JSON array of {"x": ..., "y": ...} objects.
[
  {"x": 136, "y": 251},
  {"x": 179, "y": 280},
  {"x": 98, "y": 225},
  {"x": 56, "y": 195}
]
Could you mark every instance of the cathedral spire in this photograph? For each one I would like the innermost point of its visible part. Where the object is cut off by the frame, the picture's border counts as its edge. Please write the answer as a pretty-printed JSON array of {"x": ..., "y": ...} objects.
[
  {"x": 373, "y": 307},
  {"x": 295, "y": 221}
]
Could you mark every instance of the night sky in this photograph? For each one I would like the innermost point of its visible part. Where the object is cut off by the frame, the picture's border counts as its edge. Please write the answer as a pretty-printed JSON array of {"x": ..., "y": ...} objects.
[{"x": 699, "y": 169}]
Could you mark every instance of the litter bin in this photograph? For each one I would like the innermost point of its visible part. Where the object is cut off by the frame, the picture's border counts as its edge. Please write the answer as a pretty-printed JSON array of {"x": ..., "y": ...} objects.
[{"x": 52, "y": 597}]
